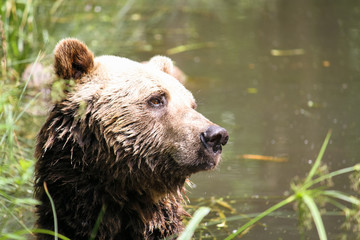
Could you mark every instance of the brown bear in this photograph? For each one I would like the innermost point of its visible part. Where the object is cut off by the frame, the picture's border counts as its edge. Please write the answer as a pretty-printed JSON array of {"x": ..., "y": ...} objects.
[{"x": 116, "y": 152}]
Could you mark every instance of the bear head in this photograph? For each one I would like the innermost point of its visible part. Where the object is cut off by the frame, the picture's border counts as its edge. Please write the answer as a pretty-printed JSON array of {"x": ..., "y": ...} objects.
[{"x": 128, "y": 123}]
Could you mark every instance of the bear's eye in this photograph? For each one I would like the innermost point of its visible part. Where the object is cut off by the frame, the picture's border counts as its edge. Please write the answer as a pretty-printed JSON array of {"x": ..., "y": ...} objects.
[{"x": 157, "y": 101}]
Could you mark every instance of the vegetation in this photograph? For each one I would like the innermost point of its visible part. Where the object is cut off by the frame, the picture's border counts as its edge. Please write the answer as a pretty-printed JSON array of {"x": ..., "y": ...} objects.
[
  {"x": 307, "y": 195},
  {"x": 21, "y": 42},
  {"x": 17, "y": 127},
  {"x": 16, "y": 162}
]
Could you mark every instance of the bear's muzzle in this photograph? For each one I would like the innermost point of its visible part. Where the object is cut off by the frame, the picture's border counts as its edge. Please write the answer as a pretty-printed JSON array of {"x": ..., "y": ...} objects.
[{"x": 214, "y": 138}]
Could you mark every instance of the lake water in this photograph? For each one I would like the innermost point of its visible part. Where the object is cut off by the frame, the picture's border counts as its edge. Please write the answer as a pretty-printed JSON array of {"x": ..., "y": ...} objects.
[{"x": 276, "y": 74}]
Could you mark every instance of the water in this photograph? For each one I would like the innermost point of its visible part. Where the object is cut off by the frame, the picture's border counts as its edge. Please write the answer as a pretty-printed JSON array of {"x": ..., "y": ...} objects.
[{"x": 277, "y": 75}]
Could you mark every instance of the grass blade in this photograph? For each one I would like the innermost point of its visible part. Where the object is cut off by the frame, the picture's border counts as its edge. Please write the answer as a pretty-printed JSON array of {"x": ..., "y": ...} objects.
[
  {"x": 342, "y": 196},
  {"x": 319, "y": 157},
  {"x": 24, "y": 232},
  {"x": 28, "y": 79},
  {"x": 49, "y": 232},
  {"x": 332, "y": 174},
  {"x": 27, "y": 106},
  {"x": 316, "y": 216},
  {"x": 260, "y": 216},
  {"x": 98, "y": 221},
  {"x": 53, "y": 210},
  {"x": 190, "y": 228},
  {"x": 16, "y": 218}
]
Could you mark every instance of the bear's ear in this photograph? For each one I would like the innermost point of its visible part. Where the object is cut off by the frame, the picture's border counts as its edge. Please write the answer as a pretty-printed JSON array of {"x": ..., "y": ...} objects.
[
  {"x": 163, "y": 63},
  {"x": 72, "y": 59}
]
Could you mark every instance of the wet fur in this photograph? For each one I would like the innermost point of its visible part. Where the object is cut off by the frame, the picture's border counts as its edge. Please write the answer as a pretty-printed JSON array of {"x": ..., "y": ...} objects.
[
  {"x": 81, "y": 182},
  {"x": 103, "y": 148}
]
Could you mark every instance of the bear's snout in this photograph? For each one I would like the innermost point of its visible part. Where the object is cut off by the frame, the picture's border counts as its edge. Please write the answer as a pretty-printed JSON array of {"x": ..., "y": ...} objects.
[{"x": 214, "y": 137}]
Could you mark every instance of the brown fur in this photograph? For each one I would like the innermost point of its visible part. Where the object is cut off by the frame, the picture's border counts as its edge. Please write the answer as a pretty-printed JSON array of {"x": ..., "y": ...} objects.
[
  {"x": 73, "y": 59},
  {"x": 108, "y": 145}
]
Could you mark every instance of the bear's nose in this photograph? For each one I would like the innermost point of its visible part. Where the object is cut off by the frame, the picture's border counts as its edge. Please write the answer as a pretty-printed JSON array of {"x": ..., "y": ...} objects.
[{"x": 214, "y": 137}]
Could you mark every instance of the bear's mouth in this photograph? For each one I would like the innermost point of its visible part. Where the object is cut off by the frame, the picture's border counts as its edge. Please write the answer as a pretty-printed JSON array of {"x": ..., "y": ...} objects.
[
  {"x": 202, "y": 160},
  {"x": 208, "y": 165},
  {"x": 206, "y": 160}
]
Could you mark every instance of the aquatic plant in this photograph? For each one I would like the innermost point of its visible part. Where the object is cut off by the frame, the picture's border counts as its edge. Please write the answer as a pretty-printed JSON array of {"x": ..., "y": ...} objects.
[
  {"x": 308, "y": 195},
  {"x": 16, "y": 162}
]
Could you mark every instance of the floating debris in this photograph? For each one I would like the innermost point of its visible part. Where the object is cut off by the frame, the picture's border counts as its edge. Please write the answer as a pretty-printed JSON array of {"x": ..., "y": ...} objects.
[
  {"x": 226, "y": 205},
  {"x": 263, "y": 158},
  {"x": 252, "y": 90},
  {"x": 189, "y": 47},
  {"x": 326, "y": 63},
  {"x": 287, "y": 52}
]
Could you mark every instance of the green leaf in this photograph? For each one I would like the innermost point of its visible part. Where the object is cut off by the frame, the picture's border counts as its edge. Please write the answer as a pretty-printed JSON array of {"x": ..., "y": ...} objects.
[
  {"x": 18, "y": 234},
  {"x": 53, "y": 211},
  {"x": 319, "y": 157},
  {"x": 342, "y": 196},
  {"x": 190, "y": 228},
  {"x": 330, "y": 175},
  {"x": 27, "y": 201},
  {"x": 316, "y": 216},
  {"x": 14, "y": 236},
  {"x": 261, "y": 215}
]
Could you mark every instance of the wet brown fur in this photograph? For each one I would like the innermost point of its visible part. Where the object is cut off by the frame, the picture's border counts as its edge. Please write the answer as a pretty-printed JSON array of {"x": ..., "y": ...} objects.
[
  {"x": 102, "y": 148},
  {"x": 73, "y": 59}
]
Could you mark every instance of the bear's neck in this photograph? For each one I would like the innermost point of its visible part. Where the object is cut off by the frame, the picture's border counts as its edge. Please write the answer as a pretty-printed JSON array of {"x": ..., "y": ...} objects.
[{"x": 86, "y": 180}]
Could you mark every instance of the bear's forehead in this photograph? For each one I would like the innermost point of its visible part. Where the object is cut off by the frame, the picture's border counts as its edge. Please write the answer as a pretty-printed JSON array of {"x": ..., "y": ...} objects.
[{"x": 118, "y": 73}]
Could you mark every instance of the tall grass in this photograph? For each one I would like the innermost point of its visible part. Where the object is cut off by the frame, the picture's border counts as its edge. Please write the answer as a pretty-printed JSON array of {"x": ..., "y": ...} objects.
[
  {"x": 19, "y": 35},
  {"x": 16, "y": 162},
  {"x": 16, "y": 145}
]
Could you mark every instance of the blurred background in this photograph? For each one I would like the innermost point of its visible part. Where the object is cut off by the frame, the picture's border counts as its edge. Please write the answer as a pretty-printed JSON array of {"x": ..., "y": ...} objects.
[{"x": 277, "y": 74}]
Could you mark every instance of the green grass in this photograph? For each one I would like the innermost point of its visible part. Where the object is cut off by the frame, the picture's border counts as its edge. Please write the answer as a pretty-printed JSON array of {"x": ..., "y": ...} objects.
[
  {"x": 306, "y": 195},
  {"x": 16, "y": 162},
  {"x": 19, "y": 35},
  {"x": 194, "y": 222},
  {"x": 18, "y": 41}
]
